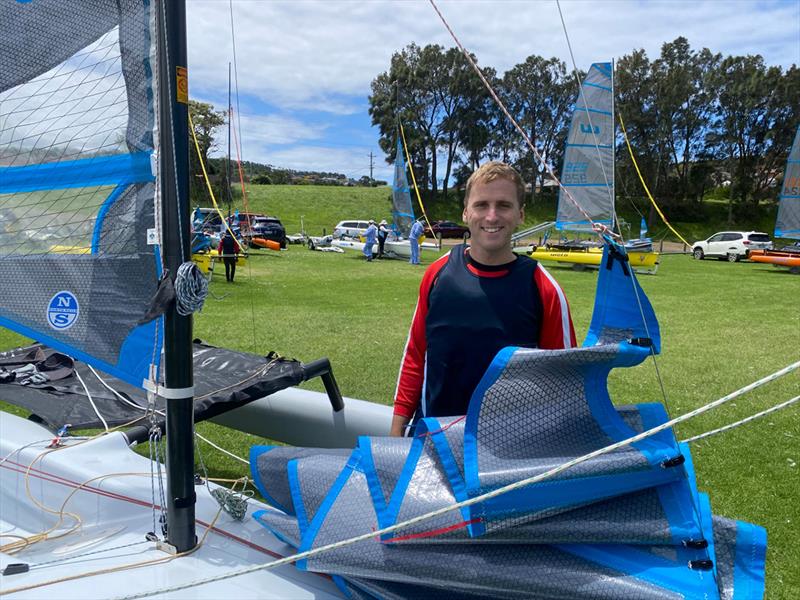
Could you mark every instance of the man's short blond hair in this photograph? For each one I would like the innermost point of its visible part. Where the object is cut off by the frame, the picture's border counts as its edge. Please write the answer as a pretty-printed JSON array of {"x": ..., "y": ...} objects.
[{"x": 492, "y": 171}]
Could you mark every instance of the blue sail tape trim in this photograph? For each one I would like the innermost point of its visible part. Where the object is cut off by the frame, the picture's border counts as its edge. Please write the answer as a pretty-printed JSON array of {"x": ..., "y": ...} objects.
[
  {"x": 136, "y": 376},
  {"x": 101, "y": 215},
  {"x": 604, "y": 68},
  {"x": 120, "y": 169},
  {"x": 496, "y": 367},
  {"x": 597, "y": 85},
  {"x": 255, "y": 452},
  {"x": 307, "y": 540},
  {"x": 707, "y": 527},
  {"x": 592, "y": 110},
  {"x": 566, "y": 493},
  {"x": 674, "y": 576},
  {"x": 750, "y": 563},
  {"x": 398, "y": 494},
  {"x": 452, "y": 471},
  {"x": 341, "y": 583},
  {"x": 601, "y": 146},
  {"x": 297, "y": 496},
  {"x": 376, "y": 490},
  {"x": 260, "y": 513},
  {"x": 588, "y": 185}
]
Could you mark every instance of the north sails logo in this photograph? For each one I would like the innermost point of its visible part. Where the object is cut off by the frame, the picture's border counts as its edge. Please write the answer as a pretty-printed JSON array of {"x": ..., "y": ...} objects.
[{"x": 63, "y": 310}]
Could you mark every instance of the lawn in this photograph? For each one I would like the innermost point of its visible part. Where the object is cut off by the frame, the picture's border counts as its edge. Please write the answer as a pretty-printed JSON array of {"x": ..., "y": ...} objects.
[{"x": 723, "y": 326}]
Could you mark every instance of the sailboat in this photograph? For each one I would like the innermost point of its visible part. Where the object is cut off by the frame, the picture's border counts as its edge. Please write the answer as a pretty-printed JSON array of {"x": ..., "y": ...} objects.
[
  {"x": 787, "y": 223},
  {"x": 86, "y": 518},
  {"x": 588, "y": 178},
  {"x": 397, "y": 244}
]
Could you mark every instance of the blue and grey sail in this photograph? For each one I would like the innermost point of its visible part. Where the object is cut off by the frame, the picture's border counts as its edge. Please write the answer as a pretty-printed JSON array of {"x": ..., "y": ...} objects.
[{"x": 787, "y": 225}]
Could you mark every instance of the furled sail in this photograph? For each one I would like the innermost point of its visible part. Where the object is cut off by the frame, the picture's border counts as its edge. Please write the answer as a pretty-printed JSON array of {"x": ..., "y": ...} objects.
[
  {"x": 402, "y": 208},
  {"x": 77, "y": 187},
  {"x": 787, "y": 224},
  {"x": 588, "y": 171},
  {"x": 626, "y": 524}
]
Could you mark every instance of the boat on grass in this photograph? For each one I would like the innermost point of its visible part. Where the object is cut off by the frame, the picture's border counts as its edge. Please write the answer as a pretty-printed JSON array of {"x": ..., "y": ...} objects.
[{"x": 787, "y": 223}]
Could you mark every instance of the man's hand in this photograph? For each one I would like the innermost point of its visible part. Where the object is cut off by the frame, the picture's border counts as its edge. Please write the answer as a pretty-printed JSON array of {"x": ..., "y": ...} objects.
[{"x": 399, "y": 424}]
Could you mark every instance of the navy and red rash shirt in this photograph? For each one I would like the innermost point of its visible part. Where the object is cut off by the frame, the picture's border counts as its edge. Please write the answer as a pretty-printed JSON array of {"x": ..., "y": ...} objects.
[{"x": 466, "y": 313}]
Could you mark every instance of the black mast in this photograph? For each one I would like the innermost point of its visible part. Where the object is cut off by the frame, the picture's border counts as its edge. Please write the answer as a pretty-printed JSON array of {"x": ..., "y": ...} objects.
[{"x": 174, "y": 160}]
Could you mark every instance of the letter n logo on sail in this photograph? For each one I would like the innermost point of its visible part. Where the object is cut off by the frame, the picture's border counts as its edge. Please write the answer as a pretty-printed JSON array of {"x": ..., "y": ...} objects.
[
  {"x": 586, "y": 128},
  {"x": 62, "y": 310}
]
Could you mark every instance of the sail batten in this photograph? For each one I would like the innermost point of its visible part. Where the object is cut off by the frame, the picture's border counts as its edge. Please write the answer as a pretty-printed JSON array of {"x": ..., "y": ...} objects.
[{"x": 588, "y": 169}]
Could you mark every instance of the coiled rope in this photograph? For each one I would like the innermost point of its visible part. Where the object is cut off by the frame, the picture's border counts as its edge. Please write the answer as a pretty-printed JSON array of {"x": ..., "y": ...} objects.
[{"x": 191, "y": 289}]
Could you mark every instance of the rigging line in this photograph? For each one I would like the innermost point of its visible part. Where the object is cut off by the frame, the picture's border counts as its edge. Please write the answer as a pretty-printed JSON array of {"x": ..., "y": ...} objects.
[
  {"x": 477, "y": 499},
  {"x": 414, "y": 179},
  {"x": 758, "y": 415},
  {"x": 598, "y": 228},
  {"x": 644, "y": 185},
  {"x": 91, "y": 400},
  {"x": 582, "y": 95}
]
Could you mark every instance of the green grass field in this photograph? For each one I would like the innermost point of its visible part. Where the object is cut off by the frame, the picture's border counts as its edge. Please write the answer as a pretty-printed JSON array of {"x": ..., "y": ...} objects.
[{"x": 723, "y": 326}]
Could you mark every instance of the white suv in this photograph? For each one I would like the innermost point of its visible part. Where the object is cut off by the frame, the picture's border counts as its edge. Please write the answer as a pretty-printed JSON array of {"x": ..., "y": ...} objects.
[
  {"x": 731, "y": 245},
  {"x": 350, "y": 229}
]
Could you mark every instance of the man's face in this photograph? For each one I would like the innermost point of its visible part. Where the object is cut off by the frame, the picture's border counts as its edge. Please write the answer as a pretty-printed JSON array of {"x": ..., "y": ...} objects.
[{"x": 492, "y": 214}]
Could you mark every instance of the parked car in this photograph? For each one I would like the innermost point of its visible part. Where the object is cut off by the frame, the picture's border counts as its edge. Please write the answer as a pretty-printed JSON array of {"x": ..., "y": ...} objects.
[
  {"x": 731, "y": 245},
  {"x": 446, "y": 229},
  {"x": 350, "y": 229},
  {"x": 268, "y": 228}
]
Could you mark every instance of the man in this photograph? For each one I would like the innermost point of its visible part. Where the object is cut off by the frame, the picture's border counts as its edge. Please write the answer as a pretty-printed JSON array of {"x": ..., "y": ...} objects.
[
  {"x": 413, "y": 239},
  {"x": 383, "y": 233},
  {"x": 229, "y": 250},
  {"x": 474, "y": 301},
  {"x": 369, "y": 240}
]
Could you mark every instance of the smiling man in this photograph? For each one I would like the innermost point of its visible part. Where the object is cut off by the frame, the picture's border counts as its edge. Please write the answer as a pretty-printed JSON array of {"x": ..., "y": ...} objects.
[{"x": 475, "y": 301}]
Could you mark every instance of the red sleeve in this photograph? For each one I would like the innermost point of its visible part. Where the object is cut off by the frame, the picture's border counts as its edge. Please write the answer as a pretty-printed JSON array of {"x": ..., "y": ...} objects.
[
  {"x": 219, "y": 248},
  {"x": 412, "y": 367},
  {"x": 556, "y": 331}
]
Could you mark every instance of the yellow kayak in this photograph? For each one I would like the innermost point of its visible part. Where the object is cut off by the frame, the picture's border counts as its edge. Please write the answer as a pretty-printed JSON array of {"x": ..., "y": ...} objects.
[{"x": 205, "y": 261}]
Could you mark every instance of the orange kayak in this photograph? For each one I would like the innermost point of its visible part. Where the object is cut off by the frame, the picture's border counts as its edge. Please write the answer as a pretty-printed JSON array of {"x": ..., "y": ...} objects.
[
  {"x": 777, "y": 258},
  {"x": 262, "y": 243}
]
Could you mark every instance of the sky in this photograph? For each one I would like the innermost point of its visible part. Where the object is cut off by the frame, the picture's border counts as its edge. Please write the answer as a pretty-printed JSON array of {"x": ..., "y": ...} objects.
[{"x": 303, "y": 68}]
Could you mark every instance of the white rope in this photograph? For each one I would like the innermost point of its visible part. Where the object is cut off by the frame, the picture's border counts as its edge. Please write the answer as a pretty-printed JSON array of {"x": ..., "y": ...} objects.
[
  {"x": 91, "y": 401},
  {"x": 191, "y": 289},
  {"x": 758, "y": 415},
  {"x": 478, "y": 499}
]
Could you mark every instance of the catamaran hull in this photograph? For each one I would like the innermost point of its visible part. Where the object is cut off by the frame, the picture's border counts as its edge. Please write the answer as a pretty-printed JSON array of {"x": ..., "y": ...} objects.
[
  {"x": 642, "y": 262},
  {"x": 397, "y": 249},
  {"x": 108, "y": 487},
  {"x": 788, "y": 260}
]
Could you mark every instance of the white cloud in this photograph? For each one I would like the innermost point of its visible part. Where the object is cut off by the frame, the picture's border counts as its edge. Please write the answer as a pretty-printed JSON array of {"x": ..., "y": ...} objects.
[{"x": 320, "y": 57}]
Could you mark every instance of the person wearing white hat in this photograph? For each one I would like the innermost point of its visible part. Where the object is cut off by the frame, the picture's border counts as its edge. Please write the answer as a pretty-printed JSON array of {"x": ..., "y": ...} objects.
[
  {"x": 369, "y": 239},
  {"x": 383, "y": 233}
]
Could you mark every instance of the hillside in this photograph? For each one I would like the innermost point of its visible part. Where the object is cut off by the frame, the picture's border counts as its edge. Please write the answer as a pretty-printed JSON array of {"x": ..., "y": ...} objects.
[{"x": 321, "y": 207}]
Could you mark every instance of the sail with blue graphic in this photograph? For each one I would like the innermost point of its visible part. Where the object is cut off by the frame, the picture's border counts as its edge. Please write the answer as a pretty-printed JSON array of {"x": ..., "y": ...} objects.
[
  {"x": 402, "y": 208},
  {"x": 787, "y": 225},
  {"x": 588, "y": 168},
  {"x": 79, "y": 258}
]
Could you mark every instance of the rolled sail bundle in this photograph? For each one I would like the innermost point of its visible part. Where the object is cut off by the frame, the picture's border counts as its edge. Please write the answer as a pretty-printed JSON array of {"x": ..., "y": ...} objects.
[{"x": 626, "y": 524}]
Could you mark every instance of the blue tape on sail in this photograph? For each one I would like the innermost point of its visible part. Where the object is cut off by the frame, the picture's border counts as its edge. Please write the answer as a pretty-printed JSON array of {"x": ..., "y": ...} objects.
[
  {"x": 591, "y": 110},
  {"x": 120, "y": 169},
  {"x": 620, "y": 303},
  {"x": 136, "y": 354},
  {"x": 601, "y": 146},
  {"x": 101, "y": 215},
  {"x": 604, "y": 68},
  {"x": 257, "y": 515},
  {"x": 674, "y": 576},
  {"x": 750, "y": 563},
  {"x": 255, "y": 452},
  {"x": 399, "y": 492},
  {"x": 376, "y": 491},
  {"x": 310, "y": 534},
  {"x": 297, "y": 496}
]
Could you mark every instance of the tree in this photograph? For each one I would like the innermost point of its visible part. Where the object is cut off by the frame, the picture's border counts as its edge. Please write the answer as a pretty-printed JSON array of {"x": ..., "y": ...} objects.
[{"x": 204, "y": 120}]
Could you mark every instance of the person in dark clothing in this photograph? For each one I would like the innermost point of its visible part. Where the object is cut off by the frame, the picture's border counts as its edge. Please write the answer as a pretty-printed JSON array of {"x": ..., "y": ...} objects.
[
  {"x": 229, "y": 251},
  {"x": 383, "y": 233},
  {"x": 473, "y": 302}
]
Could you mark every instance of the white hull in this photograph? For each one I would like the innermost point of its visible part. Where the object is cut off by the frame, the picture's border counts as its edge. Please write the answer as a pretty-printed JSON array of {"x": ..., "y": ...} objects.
[
  {"x": 398, "y": 249},
  {"x": 108, "y": 487}
]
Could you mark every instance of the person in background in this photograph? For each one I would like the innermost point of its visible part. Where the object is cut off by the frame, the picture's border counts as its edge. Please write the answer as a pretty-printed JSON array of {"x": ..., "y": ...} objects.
[
  {"x": 474, "y": 301},
  {"x": 413, "y": 237},
  {"x": 229, "y": 251},
  {"x": 369, "y": 240},
  {"x": 383, "y": 233}
]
